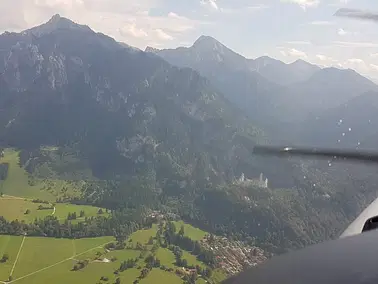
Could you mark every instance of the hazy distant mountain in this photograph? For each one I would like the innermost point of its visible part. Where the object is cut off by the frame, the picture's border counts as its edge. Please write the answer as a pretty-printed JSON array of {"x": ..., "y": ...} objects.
[
  {"x": 282, "y": 73},
  {"x": 277, "y": 96},
  {"x": 331, "y": 87},
  {"x": 354, "y": 124},
  {"x": 206, "y": 52},
  {"x": 231, "y": 73}
]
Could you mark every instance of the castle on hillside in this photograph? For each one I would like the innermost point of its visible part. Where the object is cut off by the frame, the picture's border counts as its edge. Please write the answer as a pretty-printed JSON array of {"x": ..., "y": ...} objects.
[{"x": 242, "y": 180}]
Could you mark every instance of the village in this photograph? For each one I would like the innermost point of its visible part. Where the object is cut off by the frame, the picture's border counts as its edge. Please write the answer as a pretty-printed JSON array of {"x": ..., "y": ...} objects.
[{"x": 233, "y": 256}]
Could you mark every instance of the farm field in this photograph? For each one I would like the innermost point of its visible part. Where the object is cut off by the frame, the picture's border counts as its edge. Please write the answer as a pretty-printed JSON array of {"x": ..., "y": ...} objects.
[
  {"x": 194, "y": 233},
  {"x": 18, "y": 182},
  {"x": 35, "y": 260},
  {"x": 12, "y": 208}
]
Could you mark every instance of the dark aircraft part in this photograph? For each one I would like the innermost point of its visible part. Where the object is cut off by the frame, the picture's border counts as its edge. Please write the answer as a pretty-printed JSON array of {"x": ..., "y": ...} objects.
[
  {"x": 357, "y": 14},
  {"x": 320, "y": 153},
  {"x": 350, "y": 260},
  {"x": 370, "y": 224}
]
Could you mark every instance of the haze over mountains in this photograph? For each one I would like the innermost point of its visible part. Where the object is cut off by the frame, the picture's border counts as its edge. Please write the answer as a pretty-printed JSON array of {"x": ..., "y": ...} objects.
[
  {"x": 277, "y": 96},
  {"x": 179, "y": 139}
]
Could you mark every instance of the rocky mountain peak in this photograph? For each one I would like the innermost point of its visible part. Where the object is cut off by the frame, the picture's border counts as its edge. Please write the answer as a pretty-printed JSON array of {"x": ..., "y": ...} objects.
[
  {"x": 57, "y": 22},
  {"x": 151, "y": 49},
  {"x": 207, "y": 42}
]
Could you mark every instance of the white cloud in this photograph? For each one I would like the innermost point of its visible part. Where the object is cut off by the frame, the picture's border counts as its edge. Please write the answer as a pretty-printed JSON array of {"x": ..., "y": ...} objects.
[
  {"x": 326, "y": 61},
  {"x": 321, "y": 23},
  {"x": 374, "y": 55},
  {"x": 257, "y": 7},
  {"x": 299, "y": 42},
  {"x": 355, "y": 61},
  {"x": 292, "y": 52},
  {"x": 163, "y": 35},
  {"x": 341, "y": 32},
  {"x": 322, "y": 57},
  {"x": 132, "y": 30},
  {"x": 374, "y": 67},
  {"x": 357, "y": 64},
  {"x": 175, "y": 16},
  {"x": 210, "y": 4},
  {"x": 303, "y": 3},
  {"x": 125, "y": 20},
  {"x": 355, "y": 44}
]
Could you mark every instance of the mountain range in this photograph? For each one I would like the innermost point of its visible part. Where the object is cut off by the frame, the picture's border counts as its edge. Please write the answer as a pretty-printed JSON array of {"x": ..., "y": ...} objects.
[
  {"x": 277, "y": 96},
  {"x": 173, "y": 130}
]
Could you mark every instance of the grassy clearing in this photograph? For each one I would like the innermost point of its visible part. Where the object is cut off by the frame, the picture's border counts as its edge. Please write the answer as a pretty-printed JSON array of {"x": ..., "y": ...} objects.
[
  {"x": 124, "y": 254},
  {"x": 194, "y": 233},
  {"x": 62, "y": 210},
  {"x": 39, "y": 253},
  {"x": 62, "y": 274},
  {"x": 14, "y": 208},
  {"x": 46, "y": 250},
  {"x": 19, "y": 183},
  {"x": 8, "y": 245},
  {"x": 218, "y": 275},
  {"x": 192, "y": 260},
  {"x": 16, "y": 182},
  {"x": 82, "y": 245},
  {"x": 49, "y": 260},
  {"x": 201, "y": 281},
  {"x": 142, "y": 236},
  {"x": 166, "y": 257},
  {"x": 159, "y": 276}
]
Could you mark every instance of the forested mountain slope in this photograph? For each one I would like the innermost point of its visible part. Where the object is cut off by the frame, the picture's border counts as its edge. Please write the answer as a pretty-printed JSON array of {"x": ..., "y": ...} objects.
[{"x": 143, "y": 134}]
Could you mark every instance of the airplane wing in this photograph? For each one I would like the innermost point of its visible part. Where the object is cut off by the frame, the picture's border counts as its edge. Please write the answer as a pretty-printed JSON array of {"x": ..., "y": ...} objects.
[
  {"x": 367, "y": 216},
  {"x": 349, "y": 260}
]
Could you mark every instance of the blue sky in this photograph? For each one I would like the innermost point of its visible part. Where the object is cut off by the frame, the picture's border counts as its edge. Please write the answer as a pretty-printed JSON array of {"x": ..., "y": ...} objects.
[{"x": 283, "y": 29}]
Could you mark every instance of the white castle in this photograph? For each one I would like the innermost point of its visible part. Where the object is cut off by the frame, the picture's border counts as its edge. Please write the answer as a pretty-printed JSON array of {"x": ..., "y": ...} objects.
[{"x": 259, "y": 182}]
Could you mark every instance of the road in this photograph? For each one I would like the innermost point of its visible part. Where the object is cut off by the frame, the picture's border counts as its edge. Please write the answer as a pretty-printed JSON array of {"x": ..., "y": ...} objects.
[
  {"x": 18, "y": 255},
  {"x": 60, "y": 262}
]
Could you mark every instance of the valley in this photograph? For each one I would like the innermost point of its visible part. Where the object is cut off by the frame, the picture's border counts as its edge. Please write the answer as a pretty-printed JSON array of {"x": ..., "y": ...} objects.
[
  {"x": 125, "y": 166},
  {"x": 30, "y": 259}
]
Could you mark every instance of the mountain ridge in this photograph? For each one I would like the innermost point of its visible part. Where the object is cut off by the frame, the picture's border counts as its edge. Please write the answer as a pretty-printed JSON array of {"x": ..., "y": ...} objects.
[{"x": 156, "y": 136}]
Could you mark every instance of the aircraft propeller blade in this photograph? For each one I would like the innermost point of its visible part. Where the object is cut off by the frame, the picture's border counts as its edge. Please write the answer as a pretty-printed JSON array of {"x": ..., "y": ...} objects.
[
  {"x": 357, "y": 14},
  {"x": 321, "y": 153}
]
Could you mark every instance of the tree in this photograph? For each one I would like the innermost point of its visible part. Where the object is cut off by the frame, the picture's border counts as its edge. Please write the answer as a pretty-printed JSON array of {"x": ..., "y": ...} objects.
[
  {"x": 193, "y": 277},
  {"x": 182, "y": 231},
  {"x": 27, "y": 212},
  {"x": 4, "y": 258},
  {"x": 139, "y": 246},
  {"x": 144, "y": 272},
  {"x": 207, "y": 272},
  {"x": 82, "y": 213},
  {"x": 150, "y": 241},
  {"x": 118, "y": 281},
  {"x": 184, "y": 263},
  {"x": 1, "y": 194},
  {"x": 100, "y": 211}
]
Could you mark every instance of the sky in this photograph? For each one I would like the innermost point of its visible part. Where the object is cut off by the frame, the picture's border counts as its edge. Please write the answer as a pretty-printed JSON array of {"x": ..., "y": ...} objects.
[{"x": 283, "y": 29}]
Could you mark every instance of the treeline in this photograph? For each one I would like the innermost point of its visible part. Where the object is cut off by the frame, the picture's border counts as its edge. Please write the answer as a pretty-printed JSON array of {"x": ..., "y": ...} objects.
[
  {"x": 120, "y": 225},
  {"x": 173, "y": 239},
  {"x": 4, "y": 171}
]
